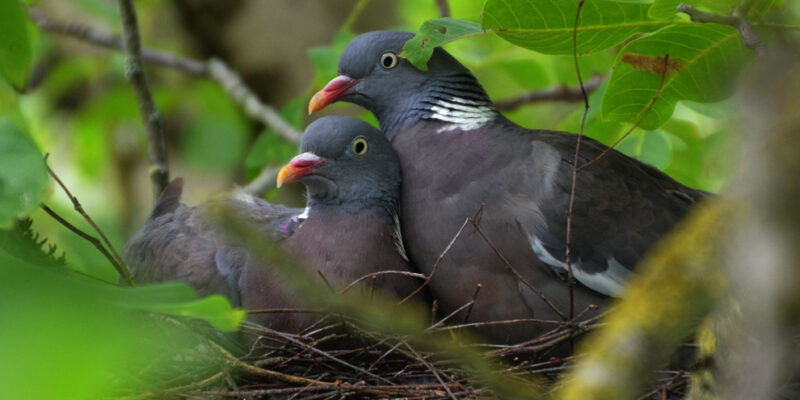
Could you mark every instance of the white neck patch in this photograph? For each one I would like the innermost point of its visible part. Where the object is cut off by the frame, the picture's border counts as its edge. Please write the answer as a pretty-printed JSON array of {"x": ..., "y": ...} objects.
[{"x": 462, "y": 114}]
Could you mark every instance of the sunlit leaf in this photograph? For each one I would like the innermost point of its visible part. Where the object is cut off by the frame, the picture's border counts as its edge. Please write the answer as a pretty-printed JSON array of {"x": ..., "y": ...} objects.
[
  {"x": 547, "y": 26},
  {"x": 23, "y": 176},
  {"x": 704, "y": 60},
  {"x": 436, "y": 32},
  {"x": 15, "y": 47},
  {"x": 662, "y": 9}
]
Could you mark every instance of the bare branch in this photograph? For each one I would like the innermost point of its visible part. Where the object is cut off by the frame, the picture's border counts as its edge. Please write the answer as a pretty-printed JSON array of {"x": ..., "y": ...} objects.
[
  {"x": 444, "y": 8},
  {"x": 151, "y": 118},
  {"x": 252, "y": 105},
  {"x": 738, "y": 20},
  {"x": 558, "y": 93},
  {"x": 89, "y": 238},
  {"x": 116, "y": 260},
  {"x": 109, "y": 41},
  {"x": 212, "y": 69}
]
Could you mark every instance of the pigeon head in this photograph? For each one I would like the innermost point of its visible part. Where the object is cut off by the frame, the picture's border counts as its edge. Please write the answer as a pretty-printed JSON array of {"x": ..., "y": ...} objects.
[
  {"x": 374, "y": 76},
  {"x": 346, "y": 164}
]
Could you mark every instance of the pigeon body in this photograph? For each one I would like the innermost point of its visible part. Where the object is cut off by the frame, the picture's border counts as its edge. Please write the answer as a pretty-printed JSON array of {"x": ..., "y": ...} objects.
[
  {"x": 349, "y": 229},
  {"x": 459, "y": 155}
]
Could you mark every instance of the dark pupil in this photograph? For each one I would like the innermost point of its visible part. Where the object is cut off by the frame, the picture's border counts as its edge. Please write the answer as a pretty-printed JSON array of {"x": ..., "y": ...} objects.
[
  {"x": 359, "y": 147},
  {"x": 387, "y": 61}
]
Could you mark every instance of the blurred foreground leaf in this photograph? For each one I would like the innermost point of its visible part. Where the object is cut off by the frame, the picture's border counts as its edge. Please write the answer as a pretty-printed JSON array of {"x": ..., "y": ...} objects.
[{"x": 54, "y": 322}]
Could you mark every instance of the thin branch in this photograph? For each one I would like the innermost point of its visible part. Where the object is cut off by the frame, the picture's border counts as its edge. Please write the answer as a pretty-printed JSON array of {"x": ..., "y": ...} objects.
[
  {"x": 438, "y": 261},
  {"x": 215, "y": 70},
  {"x": 444, "y": 8},
  {"x": 151, "y": 118},
  {"x": 355, "y": 14},
  {"x": 264, "y": 182},
  {"x": 574, "y": 184},
  {"x": 252, "y": 105},
  {"x": 738, "y": 20},
  {"x": 646, "y": 111},
  {"x": 519, "y": 276},
  {"x": 109, "y": 41},
  {"x": 558, "y": 93},
  {"x": 119, "y": 265},
  {"x": 89, "y": 238}
]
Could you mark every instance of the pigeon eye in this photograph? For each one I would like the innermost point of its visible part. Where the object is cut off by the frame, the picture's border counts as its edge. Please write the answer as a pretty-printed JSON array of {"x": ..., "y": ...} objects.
[
  {"x": 388, "y": 60},
  {"x": 359, "y": 146}
]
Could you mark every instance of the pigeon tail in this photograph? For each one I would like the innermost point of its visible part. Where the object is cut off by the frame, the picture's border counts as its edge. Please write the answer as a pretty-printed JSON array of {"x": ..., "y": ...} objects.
[{"x": 169, "y": 200}]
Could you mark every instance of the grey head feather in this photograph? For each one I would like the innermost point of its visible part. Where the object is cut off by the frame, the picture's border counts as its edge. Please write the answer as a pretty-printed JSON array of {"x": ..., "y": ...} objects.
[
  {"x": 403, "y": 94},
  {"x": 349, "y": 182}
]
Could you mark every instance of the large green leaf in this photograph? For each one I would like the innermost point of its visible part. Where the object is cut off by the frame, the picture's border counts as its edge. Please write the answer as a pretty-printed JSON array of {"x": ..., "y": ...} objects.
[
  {"x": 547, "y": 26},
  {"x": 23, "y": 176},
  {"x": 325, "y": 59},
  {"x": 96, "y": 331},
  {"x": 704, "y": 60},
  {"x": 15, "y": 48},
  {"x": 437, "y": 32}
]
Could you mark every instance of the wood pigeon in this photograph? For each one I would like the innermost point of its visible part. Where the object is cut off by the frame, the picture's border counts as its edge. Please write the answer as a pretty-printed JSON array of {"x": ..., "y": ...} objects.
[
  {"x": 458, "y": 152},
  {"x": 348, "y": 229}
]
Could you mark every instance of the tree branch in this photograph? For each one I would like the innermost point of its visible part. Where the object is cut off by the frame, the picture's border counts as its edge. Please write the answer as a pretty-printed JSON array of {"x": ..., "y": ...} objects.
[
  {"x": 444, "y": 8},
  {"x": 116, "y": 260},
  {"x": 212, "y": 69},
  {"x": 151, "y": 118},
  {"x": 558, "y": 93},
  {"x": 738, "y": 20}
]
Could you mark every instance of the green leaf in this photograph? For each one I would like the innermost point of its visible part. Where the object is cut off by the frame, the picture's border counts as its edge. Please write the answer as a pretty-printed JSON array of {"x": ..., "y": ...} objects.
[
  {"x": 23, "y": 176},
  {"x": 436, "y": 32},
  {"x": 547, "y": 26},
  {"x": 213, "y": 309},
  {"x": 704, "y": 60},
  {"x": 15, "y": 48}
]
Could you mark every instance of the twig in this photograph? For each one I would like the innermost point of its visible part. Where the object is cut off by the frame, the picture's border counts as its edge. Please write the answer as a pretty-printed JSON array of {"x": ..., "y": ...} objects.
[
  {"x": 638, "y": 121},
  {"x": 519, "y": 276},
  {"x": 738, "y": 20},
  {"x": 355, "y": 14},
  {"x": 433, "y": 371},
  {"x": 438, "y": 261},
  {"x": 109, "y": 41},
  {"x": 221, "y": 73},
  {"x": 558, "y": 93},
  {"x": 119, "y": 265},
  {"x": 263, "y": 182},
  {"x": 444, "y": 8},
  {"x": 151, "y": 118},
  {"x": 285, "y": 311},
  {"x": 253, "y": 107},
  {"x": 379, "y": 273},
  {"x": 474, "y": 297},
  {"x": 574, "y": 184},
  {"x": 89, "y": 238},
  {"x": 178, "y": 390}
]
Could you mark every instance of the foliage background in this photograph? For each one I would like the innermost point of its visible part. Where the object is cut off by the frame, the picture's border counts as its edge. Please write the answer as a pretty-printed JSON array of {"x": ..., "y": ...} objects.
[{"x": 74, "y": 103}]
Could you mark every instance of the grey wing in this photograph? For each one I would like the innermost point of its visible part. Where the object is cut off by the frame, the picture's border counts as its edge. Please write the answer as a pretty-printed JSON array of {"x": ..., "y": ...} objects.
[
  {"x": 622, "y": 207},
  {"x": 180, "y": 243}
]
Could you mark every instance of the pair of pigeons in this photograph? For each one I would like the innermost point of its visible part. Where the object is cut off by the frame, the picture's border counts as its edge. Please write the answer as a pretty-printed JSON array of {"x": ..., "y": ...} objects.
[{"x": 459, "y": 158}]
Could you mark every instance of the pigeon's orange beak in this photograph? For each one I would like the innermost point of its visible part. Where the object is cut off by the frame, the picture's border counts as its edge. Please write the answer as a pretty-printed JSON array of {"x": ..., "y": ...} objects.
[
  {"x": 333, "y": 91},
  {"x": 302, "y": 165}
]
